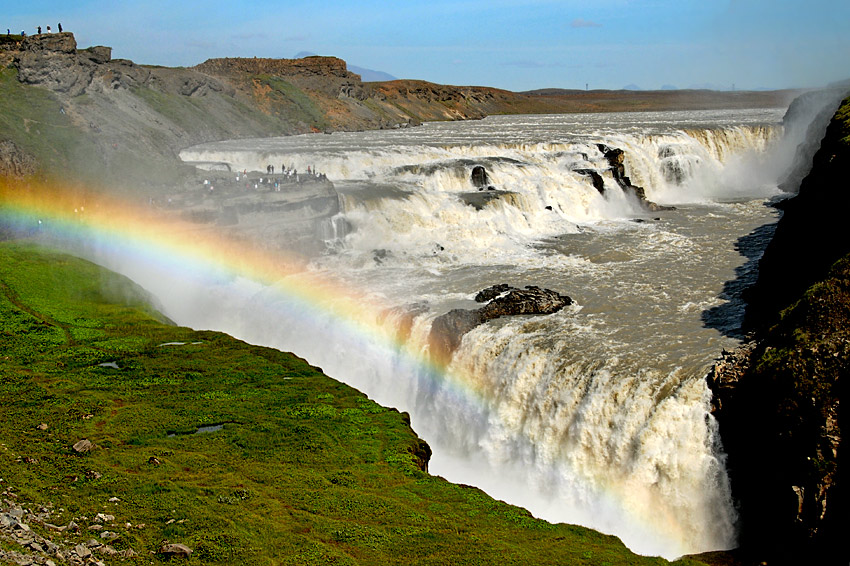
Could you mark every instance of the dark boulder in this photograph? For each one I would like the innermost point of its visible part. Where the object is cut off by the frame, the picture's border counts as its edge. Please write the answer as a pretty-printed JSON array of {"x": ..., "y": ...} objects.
[
  {"x": 490, "y": 293},
  {"x": 479, "y": 177},
  {"x": 531, "y": 300},
  {"x": 448, "y": 329}
]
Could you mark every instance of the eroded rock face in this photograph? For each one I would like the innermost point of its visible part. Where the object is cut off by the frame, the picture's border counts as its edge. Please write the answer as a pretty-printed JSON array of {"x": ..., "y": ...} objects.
[
  {"x": 448, "y": 329},
  {"x": 53, "y": 61},
  {"x": 616, "y": 158}
]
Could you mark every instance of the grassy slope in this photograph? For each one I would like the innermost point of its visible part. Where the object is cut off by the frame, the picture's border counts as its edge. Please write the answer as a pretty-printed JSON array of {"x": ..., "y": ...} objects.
[
  {"x": 31, "y": 118},
  {"x": 304, "y": 471}
]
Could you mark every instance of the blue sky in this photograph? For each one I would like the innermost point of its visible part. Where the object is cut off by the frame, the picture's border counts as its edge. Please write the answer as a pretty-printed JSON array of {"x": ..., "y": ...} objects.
[{"x": 512, "y": 44}]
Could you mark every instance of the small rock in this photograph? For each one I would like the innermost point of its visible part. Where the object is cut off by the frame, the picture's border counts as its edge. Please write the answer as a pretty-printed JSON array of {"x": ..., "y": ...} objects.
[
  {"x": 93, "y": 475},
  {"x": 36, "y": 547},
  {"x": 42, "y": 426},
  {"x": 83, "y": 446},
  {"x": 95, "y": 527},
  {"x": 175, "y": 550},
  {"x": 104, "y": 518},
  {"x": 114, "y": 500},
  {"x": 107, "y": 550},
  {"x": 82, "y": 551}
]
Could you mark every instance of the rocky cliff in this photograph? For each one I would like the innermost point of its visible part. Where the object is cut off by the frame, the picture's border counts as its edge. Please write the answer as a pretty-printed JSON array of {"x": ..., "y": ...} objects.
[{"x": 777, "y": 399}]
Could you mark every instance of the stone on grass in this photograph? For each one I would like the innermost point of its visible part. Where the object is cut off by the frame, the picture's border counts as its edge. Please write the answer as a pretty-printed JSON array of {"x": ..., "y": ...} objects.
[
  {"x": 175, "y": 549},
  {"x": 83, "y": 446}
]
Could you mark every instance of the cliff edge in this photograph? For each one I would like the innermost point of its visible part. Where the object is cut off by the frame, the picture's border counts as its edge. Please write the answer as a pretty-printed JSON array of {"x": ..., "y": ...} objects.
[{"x": 777, "y": 398}]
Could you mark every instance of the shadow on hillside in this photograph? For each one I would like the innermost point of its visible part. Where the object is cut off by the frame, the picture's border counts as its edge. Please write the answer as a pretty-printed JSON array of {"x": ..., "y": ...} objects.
[{"x": 728, "y": 318}]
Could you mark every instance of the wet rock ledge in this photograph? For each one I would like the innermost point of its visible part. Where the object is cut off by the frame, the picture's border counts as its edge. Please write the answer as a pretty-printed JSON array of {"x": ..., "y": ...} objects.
[{"x": 448, "y": 329}]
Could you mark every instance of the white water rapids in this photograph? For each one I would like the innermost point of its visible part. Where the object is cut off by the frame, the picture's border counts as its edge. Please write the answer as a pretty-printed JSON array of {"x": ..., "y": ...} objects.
[{"x": 596, "y": 415}]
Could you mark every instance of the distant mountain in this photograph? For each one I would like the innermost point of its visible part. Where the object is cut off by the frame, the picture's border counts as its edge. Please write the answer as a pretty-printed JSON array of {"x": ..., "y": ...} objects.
[
  {"x": 669, "y": 87},
  {"x": 366, "y": 75},
  {"x": 632, "y": 87},
  {"x": 707, "y": 86}
]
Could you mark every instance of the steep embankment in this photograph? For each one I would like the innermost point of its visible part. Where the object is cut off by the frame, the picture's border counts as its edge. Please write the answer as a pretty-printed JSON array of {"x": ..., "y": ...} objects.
[{"x": 778, "y": 398}]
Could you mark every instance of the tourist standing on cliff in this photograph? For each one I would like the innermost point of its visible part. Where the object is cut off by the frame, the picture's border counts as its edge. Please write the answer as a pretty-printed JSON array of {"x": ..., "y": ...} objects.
[
  {"x": 59, "y": 27},
  {"x": 48, "y": 30},
  {"x": 39, "y": 30}
]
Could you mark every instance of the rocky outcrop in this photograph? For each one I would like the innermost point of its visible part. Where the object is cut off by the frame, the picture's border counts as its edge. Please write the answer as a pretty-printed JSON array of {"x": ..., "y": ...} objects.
[
  {"x": 595, "y": 178},
  {"x": 305, "y": 66},
  {"x": 777, "y": 398},
  {"x": 616, "y": 159},
  {"x": 448, "y": 329},
  {"x": 50, "y": 61}
]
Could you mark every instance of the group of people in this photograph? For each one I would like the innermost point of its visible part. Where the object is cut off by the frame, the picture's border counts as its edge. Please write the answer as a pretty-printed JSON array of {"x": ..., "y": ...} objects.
[
  {"x": 271, "y": 182},
  {"x": 24, "y": 33},
  {"x": 291, "y": 173}
]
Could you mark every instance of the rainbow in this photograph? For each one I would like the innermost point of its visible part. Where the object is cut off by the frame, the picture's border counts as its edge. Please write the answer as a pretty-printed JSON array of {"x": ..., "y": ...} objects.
[{"x": 72, "y": 217}]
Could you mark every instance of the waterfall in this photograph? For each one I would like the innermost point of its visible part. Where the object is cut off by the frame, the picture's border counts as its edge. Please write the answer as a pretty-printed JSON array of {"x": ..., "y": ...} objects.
[{"x": 596, "y": 415}]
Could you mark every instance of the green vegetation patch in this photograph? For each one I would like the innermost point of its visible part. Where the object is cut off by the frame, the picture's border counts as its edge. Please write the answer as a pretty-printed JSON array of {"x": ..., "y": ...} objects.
[
  {"x": 245, "y": 454},
  {"x": 288, "y": 103}
]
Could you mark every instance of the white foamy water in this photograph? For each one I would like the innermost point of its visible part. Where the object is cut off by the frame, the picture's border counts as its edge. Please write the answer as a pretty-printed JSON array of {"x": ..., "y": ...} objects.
[{"x": 595, "y": 415}]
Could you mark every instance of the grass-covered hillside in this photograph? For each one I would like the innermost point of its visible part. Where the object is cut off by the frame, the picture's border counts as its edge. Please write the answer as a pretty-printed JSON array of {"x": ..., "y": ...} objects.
[{"x": 243, "y": 454}]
